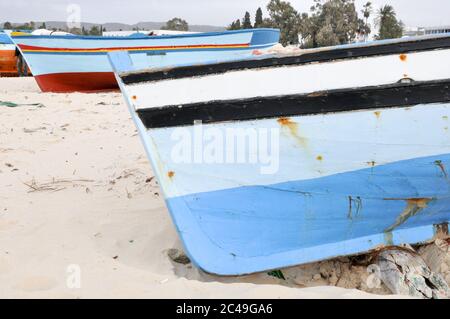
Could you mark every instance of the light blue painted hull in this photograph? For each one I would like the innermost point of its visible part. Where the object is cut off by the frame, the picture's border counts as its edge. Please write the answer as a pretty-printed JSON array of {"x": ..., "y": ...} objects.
[
  {"x": 254, "y": 228},
  {"x": 373, "y": 185},
  {"x": 5, "y": 39},
  {"x": 46, "y": 61}
]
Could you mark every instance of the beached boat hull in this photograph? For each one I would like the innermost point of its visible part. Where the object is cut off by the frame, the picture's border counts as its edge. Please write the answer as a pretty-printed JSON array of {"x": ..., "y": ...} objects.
[
  {"x": 329, "y": 168},
  {"x": 75, "y": 63},
  {"x": 79, "y": 82},
  {"x": 8, "y": 60}
]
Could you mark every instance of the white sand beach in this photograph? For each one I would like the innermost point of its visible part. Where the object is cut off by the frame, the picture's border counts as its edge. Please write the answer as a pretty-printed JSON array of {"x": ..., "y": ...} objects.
[{"x": 77, "y": 189}]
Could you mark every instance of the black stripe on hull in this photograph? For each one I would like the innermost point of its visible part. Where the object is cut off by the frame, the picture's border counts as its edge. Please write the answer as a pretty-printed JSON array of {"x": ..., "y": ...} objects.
[
  {"x": 320, "y": 56},
  {"x": 388, "y": 96}
]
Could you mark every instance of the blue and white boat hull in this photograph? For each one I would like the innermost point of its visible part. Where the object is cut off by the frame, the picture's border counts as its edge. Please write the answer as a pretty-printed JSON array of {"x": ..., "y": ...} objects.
[
  {"x": 69, "y": 63},
  {"x": 330, "y": 168}
]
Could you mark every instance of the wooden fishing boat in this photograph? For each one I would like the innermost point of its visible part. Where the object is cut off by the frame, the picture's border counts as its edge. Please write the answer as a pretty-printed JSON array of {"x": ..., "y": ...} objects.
[
  {"x": 9, "y": 59},
  {"x": 70, "y": 63},
  {"x": 8, "y": 65},
  {"x": 278, "y": 161}
]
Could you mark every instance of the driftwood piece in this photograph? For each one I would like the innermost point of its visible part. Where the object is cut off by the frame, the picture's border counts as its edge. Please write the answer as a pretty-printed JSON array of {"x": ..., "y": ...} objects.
[{"x": 405, "y": 273}]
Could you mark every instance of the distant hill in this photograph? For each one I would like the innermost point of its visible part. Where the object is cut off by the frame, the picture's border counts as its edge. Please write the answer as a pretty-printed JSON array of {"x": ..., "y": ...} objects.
[{"x": 113, "y": 26}]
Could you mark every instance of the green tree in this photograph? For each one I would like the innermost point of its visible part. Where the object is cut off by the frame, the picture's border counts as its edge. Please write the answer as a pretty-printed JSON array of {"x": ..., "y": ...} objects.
[
  {"x": 43, "y": 26},
  {"x": 259, "y": 22},
  {"x": 284, "y": 17},
  {"x": 176, "y": 24},
  {"x": 332, "y": 22},
  {"x": 389, "y": 26},
  {"x": 7, "y": 26},
  {"x": 367, "y": 11},
  {"x": 247, "y": 22},
  {"x": 95, "y": 30},
  {"x": 26, "y": 26},
  {"x": 77, "y": 31},
  {"x": 235, "y": 25}
]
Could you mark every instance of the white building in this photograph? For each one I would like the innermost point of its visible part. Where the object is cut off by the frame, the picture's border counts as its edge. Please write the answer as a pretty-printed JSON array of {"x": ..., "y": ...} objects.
[
  {"x": 415, "y": 31},
  {"x": 436, "y": 30}
]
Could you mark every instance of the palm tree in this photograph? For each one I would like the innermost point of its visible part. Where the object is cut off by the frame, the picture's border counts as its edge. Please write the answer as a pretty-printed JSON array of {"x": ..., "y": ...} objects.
[
  {"x": 367, "y": 11},
  {"x": 389, "y": 26},
  {"x": 364, "y": 26}
]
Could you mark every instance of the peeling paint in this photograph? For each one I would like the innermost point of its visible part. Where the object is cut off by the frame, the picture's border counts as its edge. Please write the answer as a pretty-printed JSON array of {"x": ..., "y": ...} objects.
[
  {"x": 388, "y": 238},
  {"x": 442, "y": 168},
  {"x": 413, "y": 207},
  {"x": 441, "y": 230},
  {"x": 354, "y": 203},
  {"x": 372, "y": 163},
  {"x": 317, "y": 94}
]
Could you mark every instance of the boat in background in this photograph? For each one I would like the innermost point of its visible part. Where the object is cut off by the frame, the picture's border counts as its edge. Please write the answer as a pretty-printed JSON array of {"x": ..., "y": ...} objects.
[
  {"x": 344, "y": 149},
  {"x": 9, "y": 59},
  {"x": 80, "y": 63}
]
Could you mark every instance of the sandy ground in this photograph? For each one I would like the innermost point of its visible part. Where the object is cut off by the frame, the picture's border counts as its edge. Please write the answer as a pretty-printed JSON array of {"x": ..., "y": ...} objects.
[{"x": 77, "y": 200}]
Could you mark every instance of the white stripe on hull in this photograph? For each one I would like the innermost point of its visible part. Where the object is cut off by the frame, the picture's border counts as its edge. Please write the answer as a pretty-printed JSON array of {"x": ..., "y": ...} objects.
[
  {"x": 301, "y": 79},
  {"x": 7, "y": 47}
]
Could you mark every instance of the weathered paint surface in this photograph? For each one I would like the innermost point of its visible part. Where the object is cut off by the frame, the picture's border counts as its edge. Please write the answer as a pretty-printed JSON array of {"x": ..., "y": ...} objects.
[
  {"x": 347, "y": 182},
  {"x": 366, "y": 143},
  {"x": 371, "y": 184}
]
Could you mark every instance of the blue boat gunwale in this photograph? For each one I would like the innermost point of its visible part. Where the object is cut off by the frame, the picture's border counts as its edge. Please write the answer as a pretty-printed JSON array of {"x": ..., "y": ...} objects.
[{"x": 123, "y": 38}]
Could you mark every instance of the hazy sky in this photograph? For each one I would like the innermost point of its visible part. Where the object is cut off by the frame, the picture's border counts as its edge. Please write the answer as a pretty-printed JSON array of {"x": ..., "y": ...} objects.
[{"x": 213, "y": 12}]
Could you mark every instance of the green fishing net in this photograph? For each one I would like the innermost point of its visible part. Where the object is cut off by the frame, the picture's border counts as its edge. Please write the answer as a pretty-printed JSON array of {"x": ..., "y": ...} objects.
[{"x": 12, "y": 104}]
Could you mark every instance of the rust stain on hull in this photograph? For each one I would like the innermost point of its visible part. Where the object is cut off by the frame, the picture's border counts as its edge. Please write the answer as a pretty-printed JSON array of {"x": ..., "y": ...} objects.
[
  {"x": 292, "y": 126},
  {"x": 377, "y": 114},
  {"x": 414, "y": 206},
  {"x": 171, "y": 174}
]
